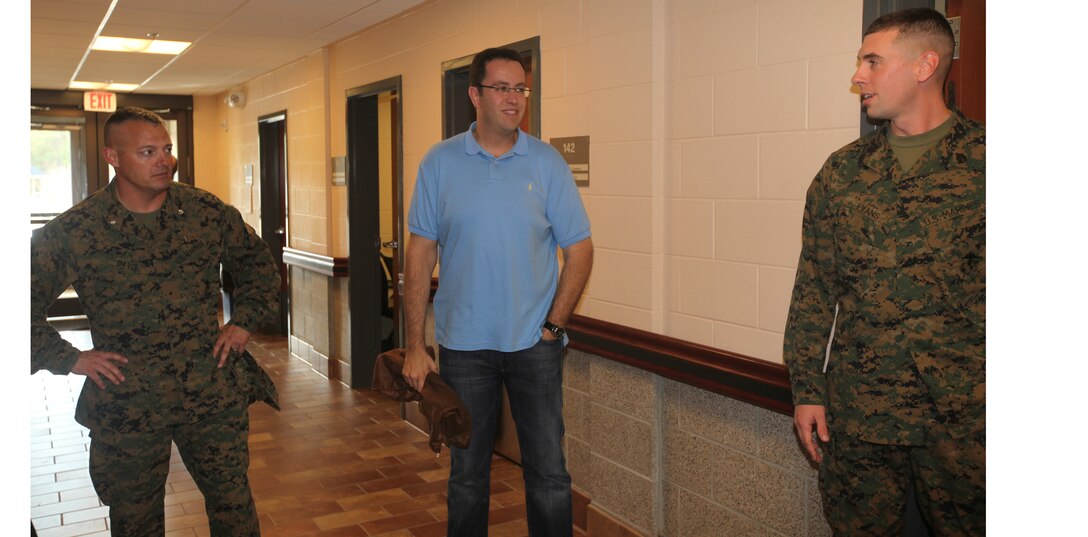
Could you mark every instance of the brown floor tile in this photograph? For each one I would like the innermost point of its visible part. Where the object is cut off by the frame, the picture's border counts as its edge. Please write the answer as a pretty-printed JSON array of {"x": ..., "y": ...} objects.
[
  {"x": 312, "y": 510},
  {"x": 396, "y": 533},
  {"x": 374, "y": 499},
  {"x": 505, "y": 514},
  {"x": 513, "y": 528},
  {"x": 290, "y": 529},
  {"x": 401, "y": 481},
  {"x": 349, "y": 478},
  {"x": 437, "y": 529},
  {"x": 348, "y": 531},
  {"x": 425, "y": 488},
  {"x": 350, "y": 518},
  {"x": 334, "y": 463},
  {"x": 405, "y": 521}
]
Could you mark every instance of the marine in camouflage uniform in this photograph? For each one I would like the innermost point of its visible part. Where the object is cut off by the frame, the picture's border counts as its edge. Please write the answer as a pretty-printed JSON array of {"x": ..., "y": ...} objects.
[
  {"x": 150, "y": 290},
  {"x": 892, "y": 272}
]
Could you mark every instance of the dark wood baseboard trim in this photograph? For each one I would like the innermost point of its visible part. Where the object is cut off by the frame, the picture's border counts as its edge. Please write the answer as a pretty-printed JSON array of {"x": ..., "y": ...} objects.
[
  {"x": 601, "y": 524},
  {"x": 748, "y": 379},
  {"x": 580, "y": 504},
  {"x": 752, "y": 380}
]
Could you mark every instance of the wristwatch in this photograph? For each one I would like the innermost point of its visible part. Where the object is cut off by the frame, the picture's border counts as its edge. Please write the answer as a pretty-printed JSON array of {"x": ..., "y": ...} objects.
[{"x": 556, "y": 330}]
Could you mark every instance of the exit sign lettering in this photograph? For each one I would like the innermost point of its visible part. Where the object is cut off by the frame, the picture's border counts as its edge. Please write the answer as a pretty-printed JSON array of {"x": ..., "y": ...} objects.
[{"x": 99, "y": 101}]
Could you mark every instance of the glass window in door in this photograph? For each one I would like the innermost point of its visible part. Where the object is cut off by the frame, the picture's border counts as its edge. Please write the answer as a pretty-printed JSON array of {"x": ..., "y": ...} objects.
[{"x": 58, "y": 176}]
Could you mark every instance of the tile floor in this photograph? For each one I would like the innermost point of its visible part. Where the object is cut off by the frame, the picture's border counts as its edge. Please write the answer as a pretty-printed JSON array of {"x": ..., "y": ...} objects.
[{"x": 333, "y": 462}]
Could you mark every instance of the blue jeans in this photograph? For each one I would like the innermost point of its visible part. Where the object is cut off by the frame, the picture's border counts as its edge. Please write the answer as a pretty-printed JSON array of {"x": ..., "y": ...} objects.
[{"x": 534, "y": 383}]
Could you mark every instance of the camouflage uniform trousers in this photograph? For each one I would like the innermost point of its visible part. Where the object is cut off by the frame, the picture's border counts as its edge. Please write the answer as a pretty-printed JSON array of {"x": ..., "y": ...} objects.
[
  {"x": 129, "y": 472},
  {"x": 865, "y": 485}
]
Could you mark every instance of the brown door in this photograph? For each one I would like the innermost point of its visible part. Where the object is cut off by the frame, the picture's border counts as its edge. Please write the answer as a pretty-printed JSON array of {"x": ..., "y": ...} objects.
[
  {"x": 374, "y": 224},
  {"x": 967, "y": 81},
  {"x": 272, "y": 140}
]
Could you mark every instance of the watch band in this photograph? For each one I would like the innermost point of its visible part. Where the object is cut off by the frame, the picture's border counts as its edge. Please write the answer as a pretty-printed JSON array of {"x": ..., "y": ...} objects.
[{"x": 556, "y": 330}]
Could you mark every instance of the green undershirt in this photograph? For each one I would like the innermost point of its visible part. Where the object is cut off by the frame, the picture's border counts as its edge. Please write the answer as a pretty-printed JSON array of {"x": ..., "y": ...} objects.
[
  {"x": 149, "y": 220},
  {"x": 908, "y": 149}
]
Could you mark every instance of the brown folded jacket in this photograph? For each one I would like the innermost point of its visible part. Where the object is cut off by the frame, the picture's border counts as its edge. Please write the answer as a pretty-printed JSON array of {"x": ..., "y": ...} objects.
[{"x": 446, "y": 414}]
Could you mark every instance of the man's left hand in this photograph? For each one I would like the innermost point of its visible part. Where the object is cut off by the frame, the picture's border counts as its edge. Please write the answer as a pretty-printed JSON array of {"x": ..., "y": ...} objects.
[
  {"x": 231, "y": 338},
  {"x": 547, "y": 335}
]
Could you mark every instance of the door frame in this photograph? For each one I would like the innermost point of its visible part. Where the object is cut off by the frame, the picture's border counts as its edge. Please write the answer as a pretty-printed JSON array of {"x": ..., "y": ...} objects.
[
  {"x": 364, "y": 239},
  {"x": 453, "y": 92},
  {"x": 65, "y": 102}
]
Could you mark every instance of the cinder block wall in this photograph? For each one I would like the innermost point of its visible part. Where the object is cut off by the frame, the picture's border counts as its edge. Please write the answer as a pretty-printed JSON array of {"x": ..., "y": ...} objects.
[
  {"x": 312, "y": 319},
  {"x": 668, "y": 459}
]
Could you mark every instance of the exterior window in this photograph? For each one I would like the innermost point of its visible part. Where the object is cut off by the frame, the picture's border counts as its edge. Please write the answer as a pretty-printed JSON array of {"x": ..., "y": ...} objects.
[{"x": 57, "y": 167}]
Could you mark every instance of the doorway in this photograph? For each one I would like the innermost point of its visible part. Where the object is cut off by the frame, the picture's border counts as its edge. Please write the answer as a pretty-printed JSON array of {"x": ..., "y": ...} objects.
[
  {"x": 457, "y": 114},
  {"x": 457, "y": 110},
  {"x": 272, "y": 142},
  {"x": 375, "y": 189}
]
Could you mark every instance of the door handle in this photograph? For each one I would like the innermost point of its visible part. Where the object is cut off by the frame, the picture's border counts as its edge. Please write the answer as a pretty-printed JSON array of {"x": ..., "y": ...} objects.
[
  {"x": 280, "y": 231},
  {"x": 391, "y": 244}
]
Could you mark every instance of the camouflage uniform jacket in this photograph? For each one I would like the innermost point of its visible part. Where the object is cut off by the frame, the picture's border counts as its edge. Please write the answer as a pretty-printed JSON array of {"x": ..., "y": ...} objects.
[
  {"x": 151, "y": 297},
  {"x": 901, "y": 255}
]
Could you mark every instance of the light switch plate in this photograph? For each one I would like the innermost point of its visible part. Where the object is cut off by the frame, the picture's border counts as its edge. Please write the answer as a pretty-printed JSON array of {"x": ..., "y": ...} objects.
[{"x": 955, "y": 22}]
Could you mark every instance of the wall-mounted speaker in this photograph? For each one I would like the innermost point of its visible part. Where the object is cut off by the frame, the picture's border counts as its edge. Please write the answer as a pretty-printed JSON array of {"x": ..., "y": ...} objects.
[{"x": 236, "y": 100}]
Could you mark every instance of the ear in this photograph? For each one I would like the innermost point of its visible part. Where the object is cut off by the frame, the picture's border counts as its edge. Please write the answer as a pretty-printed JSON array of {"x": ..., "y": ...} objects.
[
  {"x": 926, "y": 65},
  {"x": 474, "y": 96},
  {"x": 111, "y": 156}
]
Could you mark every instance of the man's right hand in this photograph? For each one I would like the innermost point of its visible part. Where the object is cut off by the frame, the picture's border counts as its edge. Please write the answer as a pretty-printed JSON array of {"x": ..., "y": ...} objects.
[
  {"x": 805, "y": 417},
  {"x": 97, "y": 364},
  {"x": 417, "y": 364}
]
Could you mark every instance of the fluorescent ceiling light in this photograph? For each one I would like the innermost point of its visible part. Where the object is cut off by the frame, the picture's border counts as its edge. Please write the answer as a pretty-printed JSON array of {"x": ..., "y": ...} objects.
[
  {"x": 108, "y": 86},
  {"x": 149, "y": 46}
]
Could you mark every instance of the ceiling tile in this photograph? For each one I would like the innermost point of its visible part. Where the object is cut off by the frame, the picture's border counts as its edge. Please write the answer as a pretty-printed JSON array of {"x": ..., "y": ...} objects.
[
  {"x": 234, "y": 40},
  {"x": 285, "y": 17},
  {"x": 209, "y": 7},
  {"x": 69, "y": 11},
  {"x": 123, "y": 67},
  {"x": 71, "y": 44},
  {"x": 162, "y": 21}
]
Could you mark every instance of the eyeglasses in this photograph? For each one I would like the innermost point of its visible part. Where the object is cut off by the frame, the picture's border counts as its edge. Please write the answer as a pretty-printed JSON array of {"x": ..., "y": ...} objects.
[{"x": 503, "y": 90}]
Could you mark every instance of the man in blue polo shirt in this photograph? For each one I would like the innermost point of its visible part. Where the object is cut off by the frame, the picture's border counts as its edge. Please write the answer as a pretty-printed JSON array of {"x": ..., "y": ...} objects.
[{"x": 494, "y": 204}]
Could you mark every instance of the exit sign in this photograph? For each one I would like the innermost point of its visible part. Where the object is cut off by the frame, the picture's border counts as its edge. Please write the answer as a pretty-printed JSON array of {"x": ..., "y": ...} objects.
[{"x": 99, "y": 101}]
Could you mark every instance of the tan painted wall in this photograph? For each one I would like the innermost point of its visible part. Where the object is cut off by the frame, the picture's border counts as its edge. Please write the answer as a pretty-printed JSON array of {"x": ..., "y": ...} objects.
[
  {"x": 209, "y": 153},
  {"x": 707, "y": 120}
]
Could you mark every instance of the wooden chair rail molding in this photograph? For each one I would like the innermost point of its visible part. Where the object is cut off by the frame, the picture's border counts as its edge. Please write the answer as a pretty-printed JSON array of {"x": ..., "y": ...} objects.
[
  {"x": 744, "y": 378},
  {"x": 747, "y": 379}
]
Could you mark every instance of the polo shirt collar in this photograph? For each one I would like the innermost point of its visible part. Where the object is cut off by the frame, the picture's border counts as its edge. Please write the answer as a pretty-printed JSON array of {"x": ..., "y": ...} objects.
[{"x": 472, "y": 147}]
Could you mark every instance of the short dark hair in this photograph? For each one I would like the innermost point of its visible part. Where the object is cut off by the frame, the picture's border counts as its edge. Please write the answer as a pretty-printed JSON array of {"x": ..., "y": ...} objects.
[
  {"x": 478, "y": 69},
  {"x": 126, "y": 114},
  {"x": 920, "y": 23}
]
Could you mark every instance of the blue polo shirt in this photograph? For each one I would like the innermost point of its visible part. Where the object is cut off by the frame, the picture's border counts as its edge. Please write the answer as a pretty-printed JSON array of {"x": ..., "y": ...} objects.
[{"x": 498, "y": 222}]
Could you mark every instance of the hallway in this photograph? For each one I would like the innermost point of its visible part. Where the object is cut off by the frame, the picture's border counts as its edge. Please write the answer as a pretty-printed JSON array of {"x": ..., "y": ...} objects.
[{"x": 333, "y": 462}]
